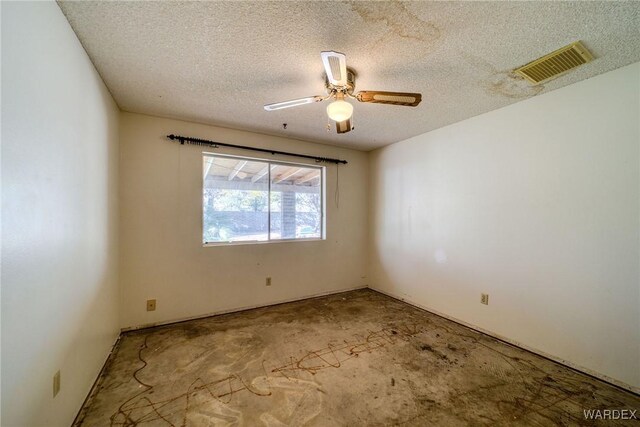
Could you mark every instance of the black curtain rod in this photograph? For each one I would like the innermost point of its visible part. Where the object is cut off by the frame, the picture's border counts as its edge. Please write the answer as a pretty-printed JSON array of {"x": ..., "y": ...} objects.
[{"x": 214, "y": 144}]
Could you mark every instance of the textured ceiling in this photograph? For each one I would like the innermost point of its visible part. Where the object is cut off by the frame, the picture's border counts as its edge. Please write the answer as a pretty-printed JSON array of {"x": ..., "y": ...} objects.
[{"x": 219, "y": 62}]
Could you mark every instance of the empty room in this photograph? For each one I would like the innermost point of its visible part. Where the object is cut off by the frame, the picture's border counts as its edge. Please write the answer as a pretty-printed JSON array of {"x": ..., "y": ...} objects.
[{"x": 320, "y": 213}]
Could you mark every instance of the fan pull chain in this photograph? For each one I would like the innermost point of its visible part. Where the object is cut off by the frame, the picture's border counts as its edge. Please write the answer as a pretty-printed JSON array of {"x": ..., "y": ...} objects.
[{"x": 337, "y": 193}]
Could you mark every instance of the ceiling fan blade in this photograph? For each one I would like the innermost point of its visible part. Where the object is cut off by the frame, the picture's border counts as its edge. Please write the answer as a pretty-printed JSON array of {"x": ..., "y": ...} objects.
[
  {"x": 293, "y": 103},
  {"x": 391, "y": 98},
  {"x": 335, "y": 65},
  {"x": 343, "y": 127}
]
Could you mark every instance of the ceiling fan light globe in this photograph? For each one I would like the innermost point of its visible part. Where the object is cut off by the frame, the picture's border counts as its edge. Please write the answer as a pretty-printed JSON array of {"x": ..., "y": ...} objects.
[{"x": 339, "y": 111}]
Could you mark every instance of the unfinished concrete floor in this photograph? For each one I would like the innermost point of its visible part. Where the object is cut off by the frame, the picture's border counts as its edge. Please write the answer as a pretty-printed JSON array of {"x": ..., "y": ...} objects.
[{"x": 352, "y": 359}]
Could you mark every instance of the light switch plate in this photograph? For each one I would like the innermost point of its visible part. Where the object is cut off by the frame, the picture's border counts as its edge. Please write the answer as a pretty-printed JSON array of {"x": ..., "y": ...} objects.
[{"x": 56, "y": 384}]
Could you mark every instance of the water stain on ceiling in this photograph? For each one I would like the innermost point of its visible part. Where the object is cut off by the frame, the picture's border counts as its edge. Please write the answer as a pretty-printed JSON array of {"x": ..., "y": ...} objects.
[
  {"x": 502, "y": 83},
  {"x": 399, "y": 21}
]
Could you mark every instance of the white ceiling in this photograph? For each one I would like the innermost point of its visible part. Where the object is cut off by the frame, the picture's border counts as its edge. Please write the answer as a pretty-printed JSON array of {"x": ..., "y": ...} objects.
[{"x": 219, "y": 62}]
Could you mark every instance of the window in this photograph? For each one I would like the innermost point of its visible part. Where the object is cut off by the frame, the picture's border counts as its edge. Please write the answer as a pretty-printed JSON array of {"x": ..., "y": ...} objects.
[{"x": 254, "y": 200}]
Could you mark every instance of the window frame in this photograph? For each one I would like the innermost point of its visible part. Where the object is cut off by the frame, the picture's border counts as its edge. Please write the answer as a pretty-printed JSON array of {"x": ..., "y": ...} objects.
[{"x": 323, "y": 223}]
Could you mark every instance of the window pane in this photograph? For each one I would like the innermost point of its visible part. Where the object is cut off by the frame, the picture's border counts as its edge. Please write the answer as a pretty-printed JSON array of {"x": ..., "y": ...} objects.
[
  {"x": 235, "y": 200},
  {"x": 296, "y": 202}
]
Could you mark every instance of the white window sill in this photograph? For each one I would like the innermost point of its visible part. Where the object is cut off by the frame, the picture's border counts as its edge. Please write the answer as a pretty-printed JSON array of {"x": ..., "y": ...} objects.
[{"x": 262, "y": 242}]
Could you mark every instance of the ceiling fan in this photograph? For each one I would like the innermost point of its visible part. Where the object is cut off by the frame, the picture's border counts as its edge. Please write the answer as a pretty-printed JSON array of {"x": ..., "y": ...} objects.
[{"x": 340, "y": 82}]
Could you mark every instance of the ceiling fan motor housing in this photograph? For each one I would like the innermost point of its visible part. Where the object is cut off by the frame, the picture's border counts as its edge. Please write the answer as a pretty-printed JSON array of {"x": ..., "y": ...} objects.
[{"x": 348, "y": 88}]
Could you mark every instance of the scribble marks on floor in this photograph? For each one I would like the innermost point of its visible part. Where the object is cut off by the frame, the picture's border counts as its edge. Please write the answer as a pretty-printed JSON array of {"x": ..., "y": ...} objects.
[{"x": 358, "y": 358}]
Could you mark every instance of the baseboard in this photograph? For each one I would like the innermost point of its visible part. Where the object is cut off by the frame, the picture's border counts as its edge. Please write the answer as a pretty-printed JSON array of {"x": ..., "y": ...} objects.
[
  {"x": 583, "y": 370},
  {"x": 237, "y": 309},
  {"x": 94, "y": 388}
]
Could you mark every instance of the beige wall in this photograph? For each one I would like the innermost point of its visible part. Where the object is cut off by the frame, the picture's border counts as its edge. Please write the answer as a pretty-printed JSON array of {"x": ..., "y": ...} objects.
[
  {"x": 161, "y": 250},
  {"x": 59, "y": 217},
  {"x": 535, "y": 204}
]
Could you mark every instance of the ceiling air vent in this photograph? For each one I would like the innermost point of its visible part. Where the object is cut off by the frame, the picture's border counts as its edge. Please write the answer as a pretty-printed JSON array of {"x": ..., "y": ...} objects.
[{"x": 555, "y": 63}]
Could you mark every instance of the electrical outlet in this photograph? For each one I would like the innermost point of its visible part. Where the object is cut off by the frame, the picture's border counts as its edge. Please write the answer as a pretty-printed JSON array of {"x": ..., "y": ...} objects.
[
  {"x": 268, "y": 282},
  {"x": 484, "y": 299},
  {"x": 151, "y": 305},
  {"x": 56, "y": 384}
]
